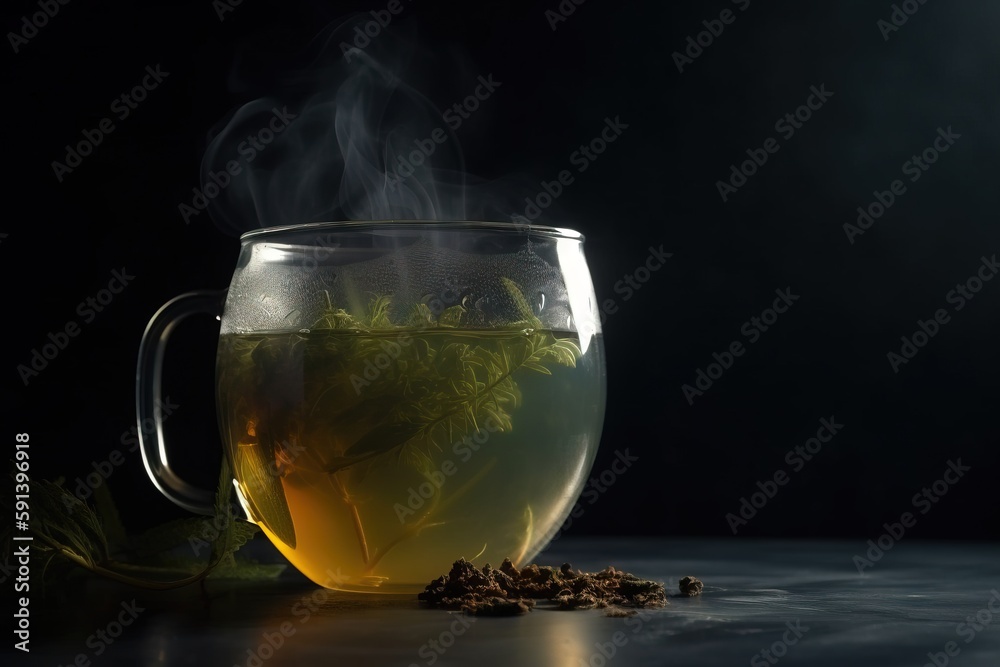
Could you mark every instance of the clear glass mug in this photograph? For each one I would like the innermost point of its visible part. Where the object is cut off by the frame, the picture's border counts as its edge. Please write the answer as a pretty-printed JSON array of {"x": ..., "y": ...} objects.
[{"x": 395, "y": 395}]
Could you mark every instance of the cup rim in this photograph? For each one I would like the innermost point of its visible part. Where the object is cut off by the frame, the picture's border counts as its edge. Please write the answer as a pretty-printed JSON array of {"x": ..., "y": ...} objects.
[{"x": 361, "y": 225}]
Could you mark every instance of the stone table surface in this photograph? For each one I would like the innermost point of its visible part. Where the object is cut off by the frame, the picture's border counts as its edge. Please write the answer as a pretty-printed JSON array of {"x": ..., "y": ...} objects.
[{"x": 764, "y": 603}]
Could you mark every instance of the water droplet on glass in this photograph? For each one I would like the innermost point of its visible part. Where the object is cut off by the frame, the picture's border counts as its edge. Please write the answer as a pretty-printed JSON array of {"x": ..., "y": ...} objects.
[{"x": 539, "y": 303}]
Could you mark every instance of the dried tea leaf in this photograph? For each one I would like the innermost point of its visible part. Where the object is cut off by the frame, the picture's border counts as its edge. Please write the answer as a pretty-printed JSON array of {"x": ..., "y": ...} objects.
[{"x": 498, "y": 591}]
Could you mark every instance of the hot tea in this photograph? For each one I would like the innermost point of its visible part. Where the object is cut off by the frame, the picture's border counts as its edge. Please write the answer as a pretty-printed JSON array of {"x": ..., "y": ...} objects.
[{"x": 395, "y": 394}]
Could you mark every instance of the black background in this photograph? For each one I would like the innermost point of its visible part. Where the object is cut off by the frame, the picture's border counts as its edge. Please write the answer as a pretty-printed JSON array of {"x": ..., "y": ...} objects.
[{"x": 656, "y": 185}]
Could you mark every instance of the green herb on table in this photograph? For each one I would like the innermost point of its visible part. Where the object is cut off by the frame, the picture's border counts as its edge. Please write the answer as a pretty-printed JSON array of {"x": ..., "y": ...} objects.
[{"x": 70, "y": 536}]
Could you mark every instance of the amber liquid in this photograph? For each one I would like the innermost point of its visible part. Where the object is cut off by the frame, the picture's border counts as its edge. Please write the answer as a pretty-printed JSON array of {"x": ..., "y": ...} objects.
[{"x": 318, "y": 432}]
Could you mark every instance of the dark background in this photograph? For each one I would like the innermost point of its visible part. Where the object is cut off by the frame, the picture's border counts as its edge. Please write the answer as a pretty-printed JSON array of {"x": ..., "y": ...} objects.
[{"x": 656, "y": 185}]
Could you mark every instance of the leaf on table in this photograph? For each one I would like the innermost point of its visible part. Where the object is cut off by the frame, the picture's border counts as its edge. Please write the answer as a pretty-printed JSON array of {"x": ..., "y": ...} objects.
[
  {"x": 63, "y": 518},
  {"x": 248, "y": 570},
  {"x": 243, "y": 532},
  {"x": 173, "y": 565},
  {"x": 168, "y": 535}
]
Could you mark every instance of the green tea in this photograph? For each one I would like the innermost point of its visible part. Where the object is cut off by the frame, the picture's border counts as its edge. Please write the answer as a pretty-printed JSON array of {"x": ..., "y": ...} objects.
[{"x": 374, "y": 457}]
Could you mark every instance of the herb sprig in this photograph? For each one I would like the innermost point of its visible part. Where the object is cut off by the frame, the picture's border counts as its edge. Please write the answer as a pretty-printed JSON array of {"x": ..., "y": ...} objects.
[{"x": 71, "y": 535}]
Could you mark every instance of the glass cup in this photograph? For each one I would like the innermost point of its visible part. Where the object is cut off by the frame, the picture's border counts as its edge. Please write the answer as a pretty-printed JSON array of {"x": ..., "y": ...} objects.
[{"x": 395, "y": 395}]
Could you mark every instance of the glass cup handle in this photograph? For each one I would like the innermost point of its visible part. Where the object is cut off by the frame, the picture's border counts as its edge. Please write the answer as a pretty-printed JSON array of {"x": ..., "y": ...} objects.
[{"x": 148, "y": 394}]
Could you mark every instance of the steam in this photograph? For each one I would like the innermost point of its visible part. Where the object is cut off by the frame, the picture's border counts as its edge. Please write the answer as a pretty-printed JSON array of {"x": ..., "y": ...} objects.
[{"x": 346, "y": 138}]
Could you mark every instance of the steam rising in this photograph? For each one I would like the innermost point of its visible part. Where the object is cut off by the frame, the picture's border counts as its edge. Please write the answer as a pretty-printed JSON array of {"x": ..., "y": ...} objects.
[{"x": 346, "y": 139}]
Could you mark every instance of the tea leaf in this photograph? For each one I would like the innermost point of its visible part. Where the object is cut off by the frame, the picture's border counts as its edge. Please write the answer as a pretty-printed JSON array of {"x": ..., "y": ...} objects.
[
  {"x": 234, "y": 532},
  {"x": 378, "y": 313},
  {"x": 448, "y": 392},
  {"x": 242, "y": 532},
  {"x": 451, "y": 317},
  {"x": 257, "y": 472},
  {"x": 172, "y": 564}
]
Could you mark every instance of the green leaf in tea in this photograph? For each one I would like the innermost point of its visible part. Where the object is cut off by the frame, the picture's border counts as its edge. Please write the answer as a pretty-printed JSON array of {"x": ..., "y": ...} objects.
[{"x": 255, "y": 466}]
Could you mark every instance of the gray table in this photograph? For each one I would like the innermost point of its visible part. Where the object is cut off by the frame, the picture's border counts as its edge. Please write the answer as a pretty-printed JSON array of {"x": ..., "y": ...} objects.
[{"x": 803, "y": 603}]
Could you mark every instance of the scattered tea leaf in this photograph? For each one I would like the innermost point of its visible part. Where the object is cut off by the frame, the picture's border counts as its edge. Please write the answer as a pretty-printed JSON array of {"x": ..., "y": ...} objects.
[
  {"x": 691, "y": 587},
  {"x": 509, "y": 590}
]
